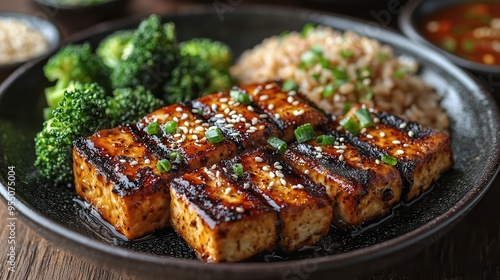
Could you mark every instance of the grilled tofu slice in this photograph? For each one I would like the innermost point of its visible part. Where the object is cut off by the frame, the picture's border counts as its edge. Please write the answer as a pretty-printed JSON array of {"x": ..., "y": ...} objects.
[
  {"x": 188, "y": 139},
  {"x": 238, "y": 122},
  {"x": 422, "y": 153},
  {"x": 303, "y": 207},
  {"x": 117, "y": 174},
  {"x": 286, "y": 110},
  {"x": 360, "y": 188},
  {"x": 221, "y": 221}
]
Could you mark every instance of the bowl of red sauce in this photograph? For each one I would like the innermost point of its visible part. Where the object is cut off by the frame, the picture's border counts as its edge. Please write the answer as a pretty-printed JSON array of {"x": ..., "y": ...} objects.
[{"x": 465, "y": 31}]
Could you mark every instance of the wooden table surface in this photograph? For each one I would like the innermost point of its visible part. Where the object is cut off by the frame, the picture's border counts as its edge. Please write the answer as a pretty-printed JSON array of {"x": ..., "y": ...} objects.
[{"x": 471, "y": 250}]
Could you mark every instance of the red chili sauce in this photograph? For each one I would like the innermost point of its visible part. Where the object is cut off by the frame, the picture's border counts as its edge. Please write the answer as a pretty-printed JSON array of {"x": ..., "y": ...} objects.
[{"x": 469, "y": 30}]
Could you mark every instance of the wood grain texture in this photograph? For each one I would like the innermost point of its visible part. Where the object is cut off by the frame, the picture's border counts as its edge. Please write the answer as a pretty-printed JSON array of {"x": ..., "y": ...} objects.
[{"x": 471, "y": 250}]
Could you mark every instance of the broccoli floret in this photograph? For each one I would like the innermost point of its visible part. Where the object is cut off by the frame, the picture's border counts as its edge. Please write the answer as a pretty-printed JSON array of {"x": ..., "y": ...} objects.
[
  {"x": 148, "y": 60},
  {"x": 129, "y": 105},
  {"x": 218, "y": 54},
  {"x": 112, "y": 48},
  {"x": 73, "y": 63},
  {"x": 81, "y": 112},
  {"x": 203, "y": 69}
]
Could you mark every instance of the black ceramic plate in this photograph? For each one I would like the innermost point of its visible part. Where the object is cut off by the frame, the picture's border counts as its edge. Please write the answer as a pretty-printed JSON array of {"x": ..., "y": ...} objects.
[{"x": 52, "y": 211}]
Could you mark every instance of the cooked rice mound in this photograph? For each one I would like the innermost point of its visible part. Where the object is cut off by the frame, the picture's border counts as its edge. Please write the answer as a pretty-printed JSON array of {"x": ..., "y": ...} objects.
[{"x": 333, "y": 68}]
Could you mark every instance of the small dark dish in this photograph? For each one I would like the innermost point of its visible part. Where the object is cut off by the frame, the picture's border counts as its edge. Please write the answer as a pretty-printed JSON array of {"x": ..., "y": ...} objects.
[
  {"x": 415, "y": 12},
  {"x": 45, "y": 27},
  {"x": 55, "y": 214},
  {"x": 103, "y": 10}
]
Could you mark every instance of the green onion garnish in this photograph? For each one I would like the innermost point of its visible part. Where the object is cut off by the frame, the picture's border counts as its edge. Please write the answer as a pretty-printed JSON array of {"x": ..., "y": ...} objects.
[
  {"x": 153, "y": 128},
  {"x": 238, "y": 169},
  {"x": 345, "y": 53},
  {"x": 382, "y": 57},
  {"x": 401, "y": 73},
  {"x": 175, "y": 156},
  {"x": 449, "y": 44},
  {"x": 364, "y": 117},
  {"x": 214, "y": 135},
  {"x": 324, "y": 140},
  {"x": 306, "y": 29},
  {"x": 309, "y": 58},
  {"x": 364, "y": 73},
  {"x": 328, "y": 90},
  {"x": 316, "y": 77},
  {"x": 278, "y": 144},
  {"x": 389, "y": 160},
  {"x": 164, "y": 165},
  {"x": 317, "y": 50},
  {"x": 304, "y": 133},
  {"x": 289, "y": 85},
  {"x": 340, "y": 75},
  {"x": 350, "y": 125},
  {"x": 240, "y": 96},
  {"x": 347, "y": 107},
  {"x": 171, "y": 127}
]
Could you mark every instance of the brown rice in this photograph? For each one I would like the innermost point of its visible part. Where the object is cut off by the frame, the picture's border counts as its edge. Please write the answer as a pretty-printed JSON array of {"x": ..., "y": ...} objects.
[{"x": 374, "y": 75}]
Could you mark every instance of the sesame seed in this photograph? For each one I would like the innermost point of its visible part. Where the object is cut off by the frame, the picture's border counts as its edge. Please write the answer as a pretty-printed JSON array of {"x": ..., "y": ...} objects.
[
  {"x": 400, "y": 152},
  {"x": 220, "y": 121},
  {"x": 341, "y": 157},
  {"x": 259, "y": 159},
  {"x": 219, "y": 115},
  {"x": 176, "y": 119},
  {"x": 266, "y": 168},
  {"x": 292, "y": 93},
  {"x": 195, "y": 137},
  {"x": 205, "y": 124},
  {"x": 116, "y": 168},
  {"x": 184, "y": 116},
  {"x": 227, "y": 191},
  {"x": 377, "y": 161},
  {"x": 122, "y": 161},
  {"x": 306, "y": 171},
  {"x": 319, "y": 149},
  {"x": 298, "y": 112},
  {"x": 279, "y": 174},
  {"x": 227, "y": 110},
  {"x": 283, "y": 181},
  {"x": 341, "y": 139},
  {"x": 134, "y": 163},
  {"x": 411, "y": 133},
  {"x": 376, "y": 120},
  {"x": 396, "y": 142},
  {"x": 277, "y": 116},
  {"x": 232, "y": 112},
  {"x": 406, "y": 145},
  {"x": 262, "y": 116},
  {"x": 340, "y": 151},
  {"x": 223, "y": 100},
  {"x": 214, "y": 107},
  {"x": 246, "y": 186},
  {"x": 240, "y": 209},
  {"x": 319, "y": 156},
  {"x": 382, "y": 134},
  {"x": 184, "y": 129},
  {"x": 198, "y": 121},
  {"x": 195, "y": 111},
  {"x": 403, "y": 125},
  {"x": 290, "y": 99},
  {"x": 270, "y": 106},
  {"x": 177, "y": 135},
  {"x": 369, "y": 136},
  {"x": 271, "y": 174},
  {"x": 295, "y": 103},
  {"x": 250, "y": 108},
  {"x": 269, "y": 86},
  {"x": 263, "y": 97},
  {"x": 178, "y": 109},
  {"x": 234, "y": 134},
  {"x": 199, "y": 128},
  {"x": 147, "y": 161},
  {"x": 229, "y": 125}
]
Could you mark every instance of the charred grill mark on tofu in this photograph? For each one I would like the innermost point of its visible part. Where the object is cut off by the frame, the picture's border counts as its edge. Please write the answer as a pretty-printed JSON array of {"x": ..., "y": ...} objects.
[
  {"x": 219, "y": 219},
  {"x": 422, "y": 154},
  {"x": 286, "y": 110},
  {"x": 246, "y": 127},
  {"x": 360, "y": 189},
  {"x": 116, "y": 172},
  {"x": 303, "y": 208},
  {"x": 189, "y": 137}
]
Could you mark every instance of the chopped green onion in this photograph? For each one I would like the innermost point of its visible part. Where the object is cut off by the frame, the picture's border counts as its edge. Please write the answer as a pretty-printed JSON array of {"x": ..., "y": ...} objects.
[
  {"x": 153, "y": 128},
  {"x": 316, "y": 77},
  {"x": 401, "y": 73},
  {"x": 324, "y": 140},
  {"x": 289, "y": 85},
  {"x": 364, "y": 117},
  {"x": 368, "y": 94},
  {"x": 164, "y": 165},
  {"x": 328, "y": 90},
  {"x": 350, "y": 125},
  {"x": 364, "y": 73},
  {"x": 306, "y": 29},
  {"x": 309, "y": 58},
  {"x": 304, "y": 133},
  {"x": 324, "y": 63},
  {"x": 468, "y": 45},
  {"x": 214, "y": 135},
  {"x": 389, "y": 160},
  {"x": 347, "y": 107},
  {"x": 382, "y": 57},
  {"x": 171, "y": 127},
  {"x": 284, "y": 34},
  {"x": 317, "y": 50},
  {"x": 175, "y": 156},
  {"x": 240, "y": 96},
  {"x": 278, "y": 144},
  {"x": 345, "y": 53},
  {"x": 449, "y": 44},
  {"x": 340, "y": 75},
  {"x": 238, "y": 169}
]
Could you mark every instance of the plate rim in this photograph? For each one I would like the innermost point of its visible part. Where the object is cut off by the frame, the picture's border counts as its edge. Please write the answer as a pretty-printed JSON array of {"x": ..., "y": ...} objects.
[{"x": 341, "y": 260}]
